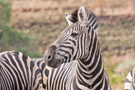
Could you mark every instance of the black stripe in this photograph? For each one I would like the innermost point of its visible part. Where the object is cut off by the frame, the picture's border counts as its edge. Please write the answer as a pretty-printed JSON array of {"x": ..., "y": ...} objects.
[
  {"x": 21, "y": 67},
  {"x": 3, "y": 56},
  {"x": 82, "y": 51},
  {"x": 62, "y": 77},
  {"x": 52, "y": 73},
  {"x": 94, "y": 22},
  {"x": 56, "y": 74},
  {"x": 106, "y": 85},
  {"x": 68, "y": 47},
  {"x": 90, "y": 16},
  {"x": 100, "y": 86},
  {"x": 98, "y": 79},
  {"x": 72, "y": 41},
  {"x": 96, "y": 26},
  {"x": 66, "y": 52},
  {"x": 64, "y": 57},
  {"x": 37, "y": 72},
  {"x": 67, "y": 43}
]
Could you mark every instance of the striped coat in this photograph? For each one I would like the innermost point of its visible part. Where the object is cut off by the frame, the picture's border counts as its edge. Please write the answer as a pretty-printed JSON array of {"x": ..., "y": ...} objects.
[
  {"x": 19, "y": 72},
  {"x": 76, "y": 56}
]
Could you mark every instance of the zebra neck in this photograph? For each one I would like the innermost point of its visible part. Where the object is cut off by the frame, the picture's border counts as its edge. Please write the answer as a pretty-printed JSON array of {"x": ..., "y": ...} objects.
[
  {"x": 91, "y": 66},
  {"x": 90, "y": 69}
]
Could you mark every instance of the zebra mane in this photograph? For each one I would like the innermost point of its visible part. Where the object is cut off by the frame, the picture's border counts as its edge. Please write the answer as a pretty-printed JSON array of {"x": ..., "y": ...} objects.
[
  {"x": 74, "y": 15},
  {"x": 92, "y": 20}
]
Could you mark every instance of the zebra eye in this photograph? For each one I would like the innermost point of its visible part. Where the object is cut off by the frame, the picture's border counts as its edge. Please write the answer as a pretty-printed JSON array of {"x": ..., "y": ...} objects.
[{"x": 74, "y": 34}]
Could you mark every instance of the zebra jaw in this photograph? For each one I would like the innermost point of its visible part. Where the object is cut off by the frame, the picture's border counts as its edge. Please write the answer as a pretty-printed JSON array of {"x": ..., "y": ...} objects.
[
  {"x": 55, "y": 65},
  {"x": 52, "y": 61}
]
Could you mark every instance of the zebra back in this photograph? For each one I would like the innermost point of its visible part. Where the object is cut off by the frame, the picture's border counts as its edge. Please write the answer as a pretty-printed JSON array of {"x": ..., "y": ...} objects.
[
  {"x": 44, "y": 70},
  {"x": 19, "y": 72}
]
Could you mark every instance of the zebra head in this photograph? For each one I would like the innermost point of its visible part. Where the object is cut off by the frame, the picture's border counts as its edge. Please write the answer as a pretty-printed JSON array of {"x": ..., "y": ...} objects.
[
  {"x": 0, "y": 34},
  {"x": 74, "y": 42}
]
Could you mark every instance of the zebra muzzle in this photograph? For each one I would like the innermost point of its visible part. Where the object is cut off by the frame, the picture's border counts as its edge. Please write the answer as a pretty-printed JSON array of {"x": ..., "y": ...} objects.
[{"x": 49, "y": 57}]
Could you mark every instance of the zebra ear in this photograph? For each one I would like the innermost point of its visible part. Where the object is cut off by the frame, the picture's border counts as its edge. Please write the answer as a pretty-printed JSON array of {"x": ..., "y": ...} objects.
[
  {"x": 82, "y": 16},
  {"x": 68, "y": 19},
  {"x": 71, "y": 18},
  {"x": 0, "y": 34}
]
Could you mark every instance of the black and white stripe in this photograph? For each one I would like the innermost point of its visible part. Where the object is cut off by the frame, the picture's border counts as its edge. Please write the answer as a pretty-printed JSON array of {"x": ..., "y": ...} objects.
[
  {"x": 19, "y": 72},
  {"x": 130, "y": 80},
  {"x": 76, "y": 57}
]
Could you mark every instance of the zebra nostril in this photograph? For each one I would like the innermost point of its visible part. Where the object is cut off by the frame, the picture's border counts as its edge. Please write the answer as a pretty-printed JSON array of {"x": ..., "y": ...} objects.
[{"x": 49, "y": 57}]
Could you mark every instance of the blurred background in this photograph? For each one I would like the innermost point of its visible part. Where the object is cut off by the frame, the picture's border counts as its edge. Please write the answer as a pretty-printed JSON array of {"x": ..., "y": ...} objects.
[{"x": 30, "y": 26}]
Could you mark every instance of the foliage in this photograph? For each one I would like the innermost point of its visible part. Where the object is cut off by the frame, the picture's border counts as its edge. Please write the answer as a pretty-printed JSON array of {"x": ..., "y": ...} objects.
[
  {"x": 11, "y": 36},
  {"x": 5, "y": 12},
  {"x": 13, "y": 39},
  {"x": 117, "y": 80}
]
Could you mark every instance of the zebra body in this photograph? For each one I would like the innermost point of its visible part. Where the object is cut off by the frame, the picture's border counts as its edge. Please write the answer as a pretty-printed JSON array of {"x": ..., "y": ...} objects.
[
  {"x": 18, "y": 72},
  {"x": 130, "y": 80},
  {"x": 65, "y": 77},
  {"x": 57, "y": 78},
  {"x": 61, "y": 78},
  {"x": 76, "y": 57}
]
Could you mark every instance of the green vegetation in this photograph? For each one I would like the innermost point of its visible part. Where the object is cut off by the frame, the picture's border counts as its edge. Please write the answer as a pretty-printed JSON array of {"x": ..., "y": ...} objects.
[
  {"x": 5, "y": 9},
  {"x": 117, "y": 80},
  {"x": 13, "y": 39}
]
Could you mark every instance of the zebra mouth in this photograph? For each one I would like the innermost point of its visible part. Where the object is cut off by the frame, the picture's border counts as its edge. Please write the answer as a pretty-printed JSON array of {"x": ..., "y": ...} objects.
[{"x": 54, "y": 65}]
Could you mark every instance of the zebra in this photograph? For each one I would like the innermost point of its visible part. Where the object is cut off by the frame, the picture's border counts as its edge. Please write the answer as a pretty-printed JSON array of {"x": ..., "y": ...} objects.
[
  {"x": 130, "y": 80},
  {"x": 74, "y": 58},
  {"x": 19, "y": 72}
]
